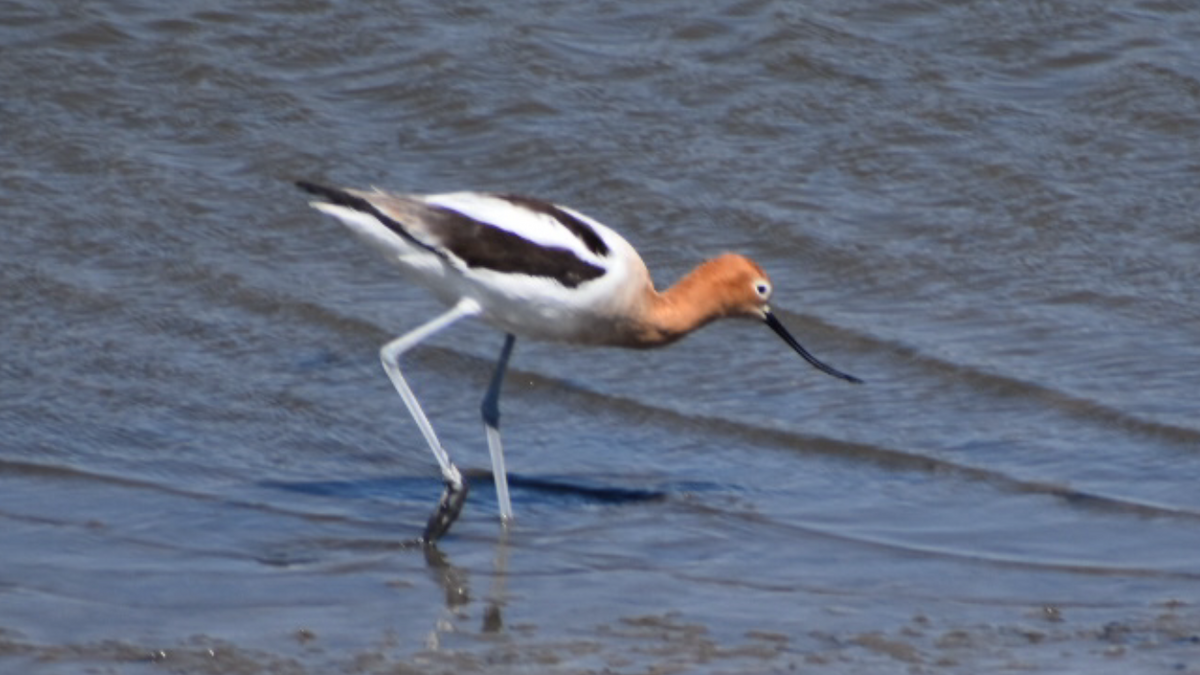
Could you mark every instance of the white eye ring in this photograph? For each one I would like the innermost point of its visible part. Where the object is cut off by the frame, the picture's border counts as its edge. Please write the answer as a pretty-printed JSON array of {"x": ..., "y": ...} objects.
[{"x": 763, "y": 289}]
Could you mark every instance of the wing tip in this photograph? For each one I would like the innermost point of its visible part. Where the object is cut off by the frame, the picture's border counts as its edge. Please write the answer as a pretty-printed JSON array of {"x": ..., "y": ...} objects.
[
  {"x": 331, "y": 196},
  {"x": 319, "y": 190}
]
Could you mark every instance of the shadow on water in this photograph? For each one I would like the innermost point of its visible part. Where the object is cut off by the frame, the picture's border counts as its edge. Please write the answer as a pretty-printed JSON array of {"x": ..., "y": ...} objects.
[
  {"x": 553, "y": 492},
  {"x": 537, "y": 490}
]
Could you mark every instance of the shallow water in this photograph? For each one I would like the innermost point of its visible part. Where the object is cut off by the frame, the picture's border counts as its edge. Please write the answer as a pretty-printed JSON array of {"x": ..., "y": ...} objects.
[{"x": 986, "y": 210}]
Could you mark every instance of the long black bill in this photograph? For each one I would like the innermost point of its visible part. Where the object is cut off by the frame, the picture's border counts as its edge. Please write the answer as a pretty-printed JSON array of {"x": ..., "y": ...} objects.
[{"x": 787, "y": 337}]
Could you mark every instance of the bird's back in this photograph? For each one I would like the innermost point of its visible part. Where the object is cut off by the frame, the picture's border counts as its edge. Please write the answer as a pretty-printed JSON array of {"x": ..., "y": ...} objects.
[{"x": 537, "y": 269}]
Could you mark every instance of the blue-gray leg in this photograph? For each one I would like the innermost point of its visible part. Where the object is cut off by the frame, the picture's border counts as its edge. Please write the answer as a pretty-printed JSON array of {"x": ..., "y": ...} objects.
[
  {"x": 455, "y": 494},
  {"x": 491, "y": 423}
]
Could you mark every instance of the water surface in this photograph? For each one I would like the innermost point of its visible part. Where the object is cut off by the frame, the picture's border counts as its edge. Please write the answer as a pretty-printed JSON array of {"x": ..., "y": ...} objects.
[{"x": 986, "y": 210}]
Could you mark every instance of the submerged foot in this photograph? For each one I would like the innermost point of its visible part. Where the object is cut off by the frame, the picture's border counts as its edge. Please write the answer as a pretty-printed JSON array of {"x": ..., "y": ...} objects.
[{"x": 448, "y": 508}]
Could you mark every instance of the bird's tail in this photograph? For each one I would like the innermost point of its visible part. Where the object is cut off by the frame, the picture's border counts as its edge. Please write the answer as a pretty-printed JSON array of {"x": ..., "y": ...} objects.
[{"x": 356, "y": 210}]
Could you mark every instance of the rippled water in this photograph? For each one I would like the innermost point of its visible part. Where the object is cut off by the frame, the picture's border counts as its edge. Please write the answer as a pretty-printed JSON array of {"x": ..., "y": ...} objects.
[{"x": 986, "y": 210}]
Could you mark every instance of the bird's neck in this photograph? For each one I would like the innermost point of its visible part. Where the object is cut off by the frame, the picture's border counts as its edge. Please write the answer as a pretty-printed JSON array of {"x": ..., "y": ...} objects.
[{"x": 691, "y": 303}]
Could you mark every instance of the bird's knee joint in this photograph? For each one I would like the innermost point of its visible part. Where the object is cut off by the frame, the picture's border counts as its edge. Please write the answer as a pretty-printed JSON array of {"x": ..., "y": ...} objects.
[{"x": 390, "y": 357}]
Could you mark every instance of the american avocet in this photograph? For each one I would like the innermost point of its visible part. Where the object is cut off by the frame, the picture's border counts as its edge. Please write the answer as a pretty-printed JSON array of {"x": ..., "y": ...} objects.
[{"x": 541, "y": 271}]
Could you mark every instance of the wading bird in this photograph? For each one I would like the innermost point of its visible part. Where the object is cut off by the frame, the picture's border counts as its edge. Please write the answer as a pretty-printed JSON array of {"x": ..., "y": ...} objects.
[{"x": 541, "y": 271}]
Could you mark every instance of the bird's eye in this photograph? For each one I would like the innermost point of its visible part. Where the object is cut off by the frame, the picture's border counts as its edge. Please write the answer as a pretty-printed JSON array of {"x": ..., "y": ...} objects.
[{"x": 763, "y": 289}]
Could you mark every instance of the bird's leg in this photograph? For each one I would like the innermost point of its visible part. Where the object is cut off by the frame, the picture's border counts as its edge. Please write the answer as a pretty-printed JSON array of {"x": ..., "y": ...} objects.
[
  {"x": 491, "y": 423},
  {"x": 455, "y": 494}
]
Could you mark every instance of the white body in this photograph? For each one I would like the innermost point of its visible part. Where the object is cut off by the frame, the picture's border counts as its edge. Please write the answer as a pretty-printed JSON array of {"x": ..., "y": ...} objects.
[{"x": 535, "y": 307}]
